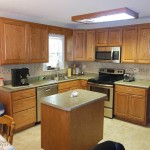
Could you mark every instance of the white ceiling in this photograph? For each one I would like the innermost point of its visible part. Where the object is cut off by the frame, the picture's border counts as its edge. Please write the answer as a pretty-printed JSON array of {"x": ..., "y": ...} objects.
[{"x": 59, "y": 12}]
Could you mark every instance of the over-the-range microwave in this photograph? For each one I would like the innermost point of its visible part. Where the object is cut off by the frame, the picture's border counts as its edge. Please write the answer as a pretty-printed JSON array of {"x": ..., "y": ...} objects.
[{"x": 108, "y": 54}]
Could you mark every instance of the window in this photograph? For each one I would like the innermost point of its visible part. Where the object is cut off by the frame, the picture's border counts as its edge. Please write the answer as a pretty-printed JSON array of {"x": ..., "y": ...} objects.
[{"x": 56, "y": 52}]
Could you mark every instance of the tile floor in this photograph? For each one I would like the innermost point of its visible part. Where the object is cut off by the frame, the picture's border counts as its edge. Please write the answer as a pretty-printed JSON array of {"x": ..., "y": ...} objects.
[{"x": 133, "y": 137}]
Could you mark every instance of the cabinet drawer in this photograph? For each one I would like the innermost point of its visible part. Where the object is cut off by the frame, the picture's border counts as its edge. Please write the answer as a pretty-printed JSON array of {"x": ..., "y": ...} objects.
[
  {"x": 23, "y": 94},
  {"x": 24, "y": 118},
  {"x": 23, "y": 104},
  {"x": 131, "y": 90},
  {"x": 67, "y": 85}
]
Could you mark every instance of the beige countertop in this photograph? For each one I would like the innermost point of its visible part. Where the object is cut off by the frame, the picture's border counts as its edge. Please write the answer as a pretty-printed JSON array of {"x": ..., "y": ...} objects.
[
  {"x": 65, "y": 102},
  {"x": 37, "y": 83},
  {"x": 136, "y": 83}
]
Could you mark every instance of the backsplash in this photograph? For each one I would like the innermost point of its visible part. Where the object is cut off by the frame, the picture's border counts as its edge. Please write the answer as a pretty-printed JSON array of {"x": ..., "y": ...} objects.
[
  {"x": 88, "y": 67},
  {"x": 34, "y": 70},
  {"x": 93, "y": 67}
]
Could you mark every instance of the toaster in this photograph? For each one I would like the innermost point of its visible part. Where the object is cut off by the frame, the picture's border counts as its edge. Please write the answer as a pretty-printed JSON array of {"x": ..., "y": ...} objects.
[{"x": 128, "y": 77}]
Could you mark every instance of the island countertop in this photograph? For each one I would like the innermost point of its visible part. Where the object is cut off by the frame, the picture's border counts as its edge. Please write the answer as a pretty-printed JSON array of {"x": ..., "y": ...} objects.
[{"x": 65, "y": 102}]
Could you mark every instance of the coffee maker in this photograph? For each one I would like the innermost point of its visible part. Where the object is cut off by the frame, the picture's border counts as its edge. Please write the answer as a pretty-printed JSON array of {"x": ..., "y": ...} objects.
[{"x": 19, "y": 77}]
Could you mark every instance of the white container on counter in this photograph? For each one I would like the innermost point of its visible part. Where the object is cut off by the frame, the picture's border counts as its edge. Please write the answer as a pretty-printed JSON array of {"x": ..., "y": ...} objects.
[{"x": 1, "y": 81}]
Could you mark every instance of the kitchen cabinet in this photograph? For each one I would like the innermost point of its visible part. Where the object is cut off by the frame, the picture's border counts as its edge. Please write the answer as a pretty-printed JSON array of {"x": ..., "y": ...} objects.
[
  {"x": 38, "y": 43},
  {"x": 14, "y": 36},
  {"x": 72, "y": 85},
  {"x": 143, "y": 46},
  {"x": 79, "y": 45},
  {"x": 24, "y": 108},
  {"x": 90, "y": 45},
  {"x": 109, "y": 36},
  {"x": 101, "y": 37},
  {"x": 129, "y": 48},
  {"x": 131, "y": 103},
  {"x": 21, "y": 105},
  {"x": 23, "y": 42},
  {"x": 115, "y": 36},
  {"x": 66, "y": 86},
  {"x": 83, "y": 84},
  {"x": 84, "y": 45}
]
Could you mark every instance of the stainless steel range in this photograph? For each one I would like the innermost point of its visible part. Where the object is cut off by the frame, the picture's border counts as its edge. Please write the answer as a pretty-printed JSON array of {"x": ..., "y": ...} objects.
[{"x": 105, "y": 84}]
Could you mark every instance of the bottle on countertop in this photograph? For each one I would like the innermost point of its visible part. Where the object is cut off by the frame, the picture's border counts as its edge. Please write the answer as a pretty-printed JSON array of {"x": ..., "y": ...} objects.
[
  {"x": 69, "y": 72},
  {"x": 74, "y": 69}
]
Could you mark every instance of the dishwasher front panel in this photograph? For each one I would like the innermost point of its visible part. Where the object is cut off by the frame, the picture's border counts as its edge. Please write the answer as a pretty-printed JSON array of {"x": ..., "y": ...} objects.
[{"x": 42, "y": 92}]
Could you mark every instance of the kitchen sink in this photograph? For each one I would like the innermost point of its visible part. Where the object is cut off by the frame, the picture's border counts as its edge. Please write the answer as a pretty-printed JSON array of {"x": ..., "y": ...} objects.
[{"x": 65, "y": 78}]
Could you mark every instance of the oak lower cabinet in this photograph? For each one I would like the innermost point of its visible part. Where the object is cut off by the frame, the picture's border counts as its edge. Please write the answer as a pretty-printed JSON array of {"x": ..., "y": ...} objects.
[
  {"x": 24, "y": 108},
  {"x": 131, "y": 104},
  {"x": 83, "y": 84},
  {"x": 21, "y": 105},
  {"x": 69, "y": 85}
]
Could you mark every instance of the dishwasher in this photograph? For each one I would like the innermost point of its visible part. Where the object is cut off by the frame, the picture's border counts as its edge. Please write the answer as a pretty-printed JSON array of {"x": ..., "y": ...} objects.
[{"x": 43, "y": 91}]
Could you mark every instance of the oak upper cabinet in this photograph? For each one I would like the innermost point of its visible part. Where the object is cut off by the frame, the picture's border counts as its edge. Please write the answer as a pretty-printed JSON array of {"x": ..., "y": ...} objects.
[
  {"x": 115, "y": 36},
  {"x": 131, "y": 103},
  {"x": 38, "y": 43},
  {"x": 79, "y": 45},
  {"x": 143, "y": 46},
  {"x": 129, "y": 48},
  {"x": 14, "y": 41},
  {"x": 102, "y": 37},
  {"x": 90, "y": 45},
  {"x": 109, "y": 36}
]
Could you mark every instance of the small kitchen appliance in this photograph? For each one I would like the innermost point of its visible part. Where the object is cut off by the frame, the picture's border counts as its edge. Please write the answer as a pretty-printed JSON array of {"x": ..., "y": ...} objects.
[
  {"x": 19, "y": 77},
  {"x": 128, "y": 77}
]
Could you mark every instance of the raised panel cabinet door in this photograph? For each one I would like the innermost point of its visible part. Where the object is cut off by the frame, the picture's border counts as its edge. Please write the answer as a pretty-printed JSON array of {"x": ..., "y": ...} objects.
[
  {"x": 102, "y": 37},
  {"x": 69, "y": 45},
  {"x": 39, "y": 43},
  {"x": 143, "y": 47},
  {"x": 121, "y": 104},
  {"x": 115, "y": 36},
  {"x": 129, "y": 48},
  {"x": 79, "y": 44},
  {"x": 137, "y": 108},
  {"x": 90, "y": 45},
  {"x": 14, "y": 42}
]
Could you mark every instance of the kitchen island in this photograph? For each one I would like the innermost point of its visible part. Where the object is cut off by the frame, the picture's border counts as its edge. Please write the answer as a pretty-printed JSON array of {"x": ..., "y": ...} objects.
[{"x": 72, "y": 123}]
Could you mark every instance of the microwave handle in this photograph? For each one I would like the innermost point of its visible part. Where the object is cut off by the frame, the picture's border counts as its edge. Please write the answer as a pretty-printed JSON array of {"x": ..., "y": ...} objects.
[{"x": 112, "y": 54}]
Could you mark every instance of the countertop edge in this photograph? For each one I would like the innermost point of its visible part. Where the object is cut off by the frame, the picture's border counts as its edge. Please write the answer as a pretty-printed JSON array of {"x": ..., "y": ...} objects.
[
  {"x": 100, "y": 97},
  {"x": 71, "y": 108},
  {"x": 132, "y": 84}
]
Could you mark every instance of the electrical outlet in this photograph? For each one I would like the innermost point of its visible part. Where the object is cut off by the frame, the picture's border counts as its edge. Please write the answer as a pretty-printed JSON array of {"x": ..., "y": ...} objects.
[{"x": 136, "y": 70}]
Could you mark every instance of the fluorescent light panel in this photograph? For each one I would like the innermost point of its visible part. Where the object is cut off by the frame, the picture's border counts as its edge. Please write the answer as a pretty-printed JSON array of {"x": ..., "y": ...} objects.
[{"x": 105, "y": 16}]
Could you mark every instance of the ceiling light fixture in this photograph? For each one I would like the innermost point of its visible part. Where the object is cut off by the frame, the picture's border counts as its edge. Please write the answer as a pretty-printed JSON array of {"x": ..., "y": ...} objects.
[{"x": 105, "y": 16}]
